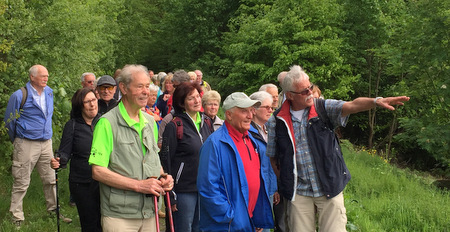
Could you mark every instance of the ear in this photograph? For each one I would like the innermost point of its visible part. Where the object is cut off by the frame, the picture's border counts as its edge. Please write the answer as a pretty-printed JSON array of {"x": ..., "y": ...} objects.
[
  {"x": 122, "y": 88},
  {"x": 288, "y": 96},
  {"x": 228, "y": 115}
]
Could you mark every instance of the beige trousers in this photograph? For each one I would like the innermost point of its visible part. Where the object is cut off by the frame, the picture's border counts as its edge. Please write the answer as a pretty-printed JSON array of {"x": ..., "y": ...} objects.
[
  {"x": 110, "y": 224},
  {"x": 27, "y": 155},
  {"x": 332, "y": 214}
]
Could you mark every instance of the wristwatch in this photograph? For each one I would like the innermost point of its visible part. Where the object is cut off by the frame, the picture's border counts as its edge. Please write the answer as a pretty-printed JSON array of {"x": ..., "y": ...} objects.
[{"x": 375, "y": 100}]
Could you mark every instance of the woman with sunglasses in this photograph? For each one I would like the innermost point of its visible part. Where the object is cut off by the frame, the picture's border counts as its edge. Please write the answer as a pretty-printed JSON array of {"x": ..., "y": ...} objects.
[{"x": 75, "y": 145}]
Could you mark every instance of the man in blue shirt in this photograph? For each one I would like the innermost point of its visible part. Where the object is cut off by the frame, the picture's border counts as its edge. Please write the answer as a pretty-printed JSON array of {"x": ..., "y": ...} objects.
[{"x": 29, "y": 126}]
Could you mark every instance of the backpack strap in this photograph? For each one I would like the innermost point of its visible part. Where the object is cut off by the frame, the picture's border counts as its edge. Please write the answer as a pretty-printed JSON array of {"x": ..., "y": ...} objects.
[
  {"x": 179, "y": 125},
  {"x": 319, "y": 104},
  {"x": 208, "y": 122},
  {"x": 24, "y": 96}
]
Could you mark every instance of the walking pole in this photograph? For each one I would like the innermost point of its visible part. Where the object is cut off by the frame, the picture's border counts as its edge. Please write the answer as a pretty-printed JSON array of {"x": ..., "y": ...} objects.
[
  {"x": 57, "y": 199},
  {"x": 155, "y": 201},
  {"x": 169, "y": 209}
]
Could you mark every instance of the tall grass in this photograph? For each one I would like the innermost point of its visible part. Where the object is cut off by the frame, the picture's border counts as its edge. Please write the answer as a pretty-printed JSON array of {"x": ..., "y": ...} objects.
[
  {"x": 379, "y": 197},
  {"x": 36, "y": 217}
]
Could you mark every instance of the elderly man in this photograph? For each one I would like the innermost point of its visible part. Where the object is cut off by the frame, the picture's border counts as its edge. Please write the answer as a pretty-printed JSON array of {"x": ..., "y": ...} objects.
[
  {"x": 88, "y": 80},
  {"x": 31, "y": 134},
  {"x": 124, "y": 158},
  {"x": 306, "y": 155},
  {"x": 106, "y": 88},
  {"x": 273, "y": 91},
  {"x": 230, "y": 179},
  {"x": 205, "y": 86}
]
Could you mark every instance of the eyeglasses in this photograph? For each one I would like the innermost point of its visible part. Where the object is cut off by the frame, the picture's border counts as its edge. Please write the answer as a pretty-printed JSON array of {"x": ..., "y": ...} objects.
[
  {"x": 90, "y": 101},
  {"x": 268, "y": 108},
  {"x": 305, "y": 91},
  {"x": 103, "y": 88}
]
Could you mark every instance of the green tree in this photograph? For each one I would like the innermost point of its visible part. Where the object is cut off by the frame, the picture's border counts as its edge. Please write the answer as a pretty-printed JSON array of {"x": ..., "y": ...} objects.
[
  {"x": 422, "y": 57},
  {"x": 269, "y": 36}
]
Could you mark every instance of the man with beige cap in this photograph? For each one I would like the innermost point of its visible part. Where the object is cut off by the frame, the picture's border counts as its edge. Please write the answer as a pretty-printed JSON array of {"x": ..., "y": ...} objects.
[{"x": 230, "y": 180}]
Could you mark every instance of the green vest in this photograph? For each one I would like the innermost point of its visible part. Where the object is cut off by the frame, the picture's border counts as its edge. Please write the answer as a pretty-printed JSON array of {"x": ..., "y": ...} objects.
[{"x": 127, "y": 160}]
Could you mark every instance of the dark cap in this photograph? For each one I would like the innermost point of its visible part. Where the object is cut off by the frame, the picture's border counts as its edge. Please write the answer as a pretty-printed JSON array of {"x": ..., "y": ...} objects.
[{"x": 106, "y": 80}]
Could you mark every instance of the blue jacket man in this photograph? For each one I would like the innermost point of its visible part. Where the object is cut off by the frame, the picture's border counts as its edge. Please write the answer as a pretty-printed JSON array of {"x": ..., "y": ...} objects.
[
  {"x": 30, "y": 129},
  {"x": 225, "y": 193}
]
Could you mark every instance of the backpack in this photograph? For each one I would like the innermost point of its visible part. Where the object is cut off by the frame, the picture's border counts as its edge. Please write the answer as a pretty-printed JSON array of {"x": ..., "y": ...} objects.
[
  {"x": 24, "y": 96},
  {"x": 179, "y": 125}
]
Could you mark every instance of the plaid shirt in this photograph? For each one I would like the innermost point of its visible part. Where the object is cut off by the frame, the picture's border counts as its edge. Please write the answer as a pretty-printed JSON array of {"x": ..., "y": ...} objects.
[{"x": 308, "y": 179}]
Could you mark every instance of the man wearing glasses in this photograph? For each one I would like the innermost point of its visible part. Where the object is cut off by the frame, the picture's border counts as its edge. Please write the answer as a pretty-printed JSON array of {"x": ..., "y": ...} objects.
[
  {"x": 306, "y": 155},
  {"x": 106, "y": 87},
  {"x": 88, "y": 80}
]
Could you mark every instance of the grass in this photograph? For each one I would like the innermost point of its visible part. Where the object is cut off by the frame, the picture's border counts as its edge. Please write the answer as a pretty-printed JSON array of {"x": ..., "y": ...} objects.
[{"x": 379, "y": 197}]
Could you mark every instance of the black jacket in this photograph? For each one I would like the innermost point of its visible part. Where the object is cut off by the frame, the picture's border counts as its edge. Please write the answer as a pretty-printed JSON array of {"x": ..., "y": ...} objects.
[
  {"x": 325, "y": 148},
  {"x": 75, "y": 145},
  {"x": 180, "y": 157},
  {"x": 103, "y": 107}
]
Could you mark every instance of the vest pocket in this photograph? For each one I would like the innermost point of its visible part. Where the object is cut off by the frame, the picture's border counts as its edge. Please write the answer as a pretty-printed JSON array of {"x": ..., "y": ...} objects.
[{"x": 122, "y": 201}]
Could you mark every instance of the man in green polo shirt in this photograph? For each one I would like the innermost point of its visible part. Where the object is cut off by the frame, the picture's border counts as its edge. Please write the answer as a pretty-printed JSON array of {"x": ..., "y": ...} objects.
[{"x": 124, "y": 158}]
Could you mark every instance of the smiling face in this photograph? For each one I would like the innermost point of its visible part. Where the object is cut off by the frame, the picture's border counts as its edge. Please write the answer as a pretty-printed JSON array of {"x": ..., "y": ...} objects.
[
  {"x": 193, "y": 102},
  {"x": 211, "y": 108},
  {"x": 240, "y": 118},
  {"x": 168, "y": 86},
  {"x": 137, "y": 92},
  {"x": 90, "y": 106}
]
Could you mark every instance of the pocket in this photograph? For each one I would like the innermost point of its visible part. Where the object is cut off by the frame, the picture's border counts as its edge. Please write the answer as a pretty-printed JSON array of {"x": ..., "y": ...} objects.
[{"x": 122, "y": 201}]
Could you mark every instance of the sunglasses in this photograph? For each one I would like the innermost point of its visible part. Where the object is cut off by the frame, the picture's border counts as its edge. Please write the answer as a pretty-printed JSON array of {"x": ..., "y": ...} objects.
[
  {"x": 305, "y": 91},
  {"x": 103, "y": 88}
]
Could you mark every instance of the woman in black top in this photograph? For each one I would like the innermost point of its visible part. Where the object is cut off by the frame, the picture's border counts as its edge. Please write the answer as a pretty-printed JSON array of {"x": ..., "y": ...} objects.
[
  {"x": 75, "y": 145},
  {"x": 182, "y": 140}
]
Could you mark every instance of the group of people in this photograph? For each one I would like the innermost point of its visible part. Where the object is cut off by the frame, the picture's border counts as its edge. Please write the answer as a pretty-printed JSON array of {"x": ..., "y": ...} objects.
[{"x": 274, "y": 162}]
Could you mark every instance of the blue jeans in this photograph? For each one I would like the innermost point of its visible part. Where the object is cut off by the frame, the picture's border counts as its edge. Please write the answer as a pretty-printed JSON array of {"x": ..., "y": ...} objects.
[{"x": 186, "y": 219}]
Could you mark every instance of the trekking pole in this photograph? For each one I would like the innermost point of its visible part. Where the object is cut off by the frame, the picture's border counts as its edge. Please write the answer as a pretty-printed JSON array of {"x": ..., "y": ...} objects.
[
  {"x": 169, "y": 209},
  {"x": 57, "y": 198},
  {"x": 155, "y": 201}
]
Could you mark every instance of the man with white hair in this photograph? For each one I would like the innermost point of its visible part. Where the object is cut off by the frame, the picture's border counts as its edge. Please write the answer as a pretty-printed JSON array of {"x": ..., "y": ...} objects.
[
  {"x": 28, "y": 119},
  {"x": 88, "y": 80},
  {"x": 306, "y": 155},
  {"x": 273, "y": 91},
  {"x": 230, "y": 181},
  {"x": 124, "y": 158}
]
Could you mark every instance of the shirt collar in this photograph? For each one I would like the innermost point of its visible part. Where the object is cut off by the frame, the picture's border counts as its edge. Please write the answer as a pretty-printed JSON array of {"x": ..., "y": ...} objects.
[
  {"x": 128, "y": 120},
  {"x": 235, "y": 134}
]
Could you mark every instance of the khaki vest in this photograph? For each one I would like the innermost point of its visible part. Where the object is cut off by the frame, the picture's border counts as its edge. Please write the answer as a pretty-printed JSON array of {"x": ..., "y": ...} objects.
[{"x": 127, "y": 160}]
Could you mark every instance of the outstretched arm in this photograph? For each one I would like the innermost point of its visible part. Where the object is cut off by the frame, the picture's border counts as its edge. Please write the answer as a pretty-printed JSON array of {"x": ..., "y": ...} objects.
[{"x": 364, "y": 103}]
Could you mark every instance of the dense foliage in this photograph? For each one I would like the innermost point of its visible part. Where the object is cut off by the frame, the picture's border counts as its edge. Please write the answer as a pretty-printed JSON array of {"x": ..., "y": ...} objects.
[{"x": 350, "y": 48}]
